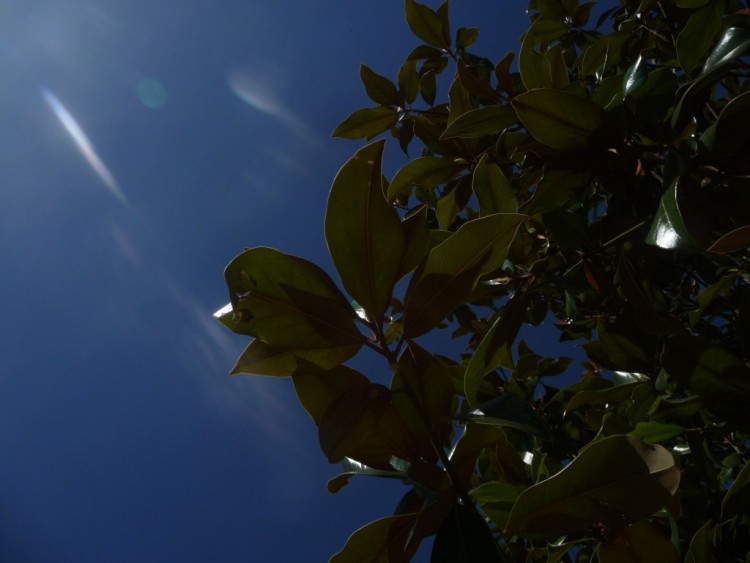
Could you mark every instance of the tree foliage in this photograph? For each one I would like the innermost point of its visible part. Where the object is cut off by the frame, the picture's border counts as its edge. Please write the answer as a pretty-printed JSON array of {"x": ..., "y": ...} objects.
[{"x": 597, "y": 183}]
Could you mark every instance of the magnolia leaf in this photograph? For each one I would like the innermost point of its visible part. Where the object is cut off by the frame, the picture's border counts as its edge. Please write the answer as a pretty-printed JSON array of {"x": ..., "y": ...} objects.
[
  {"x": 495, "y": 348},
  {"x": 366, "y": 123},
  {"x": 452, "y": 268},
  {"x": 699, "y": 550},
  {"x": 260, "y": 358},
  {"x": 668, "y": 229},
  {"x": 634, "y": 77},
  {"x": 697, "y": 36},
  {"x": 653, "y": 432},
  {"x": 317, "y": 390},
  {"x": 737, "y": 498},
  {"x": 351, "y": 467},
  {"x": 733, "y": 44},
  {"x": 509, "y": 410},
  {"x": 492, "y": 189},
  {"x": 613, "y": 478},
  {"x": 381, "y": 541},
  {"x": 379, "y": 88},
  {"x": 288, "y": 302},
  {"x": 480, "y": 122},
  {"x": 640, "y": 543},
  {"x": 427, "y": 172},
  {"x": 364, "y": 233},
  {"x": 733, "y": 241},
  {"x": 350, "y": 417},
  {"x": 560, "y": 119},
  {"x": 465, "y": 538},
  {"x": 428, "y": 25}
]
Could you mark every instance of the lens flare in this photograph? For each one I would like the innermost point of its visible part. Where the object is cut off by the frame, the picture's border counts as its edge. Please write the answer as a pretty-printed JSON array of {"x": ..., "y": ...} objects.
[{"x": 83, "y": 143}]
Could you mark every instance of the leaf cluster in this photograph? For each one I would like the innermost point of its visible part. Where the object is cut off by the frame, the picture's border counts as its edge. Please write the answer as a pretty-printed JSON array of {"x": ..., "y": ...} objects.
[{"x": 596, "y": 185}]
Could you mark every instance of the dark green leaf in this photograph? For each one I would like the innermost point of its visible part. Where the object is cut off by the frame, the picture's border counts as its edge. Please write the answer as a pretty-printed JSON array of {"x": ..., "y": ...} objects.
[
  {"x": 561, "y": 120},
  {"x": 367, "y": 123},
  {"x": 509, "y": 410},
  {"x": 728, "y": 135},
  {"x": 379, "y": 88},
  {"x": 698, "y": 34},
  {"x": 465, "y": 37},
  {"x": 260, "y": 358},
  {"x": 733, "y": 44},
  {"x": 427, "y": 172},
  {"x": 652, "y": 432},
  {"x": 640, "y": 543},
  {"x": 428, "y": 25},
  {"x": 612, "y": 478},
  {"x": 381, "y": 541},
  {"x": 288, "y": 302},
  {"x": 350, "y": 418},
  {"x": 709, "y": 294},
  {"x": 495, "y": 348},
  {"x": 417, "y": 240},
  {"x": 451, "y": 269},
  {"x": 737, "y": 498},
  {"x": 699, "y": 550},
  {"x": 317, "y": 390},
  {"x": 492, "y": 189},
  {"x": 668, "y": 229},
  {"x": 408, "y": 80},
  {"x": 534, "y": 68},
  {"x": 465, "y": 538},
  {"x": 364, "y": 233},
  {"x": 480, "y": 122}
]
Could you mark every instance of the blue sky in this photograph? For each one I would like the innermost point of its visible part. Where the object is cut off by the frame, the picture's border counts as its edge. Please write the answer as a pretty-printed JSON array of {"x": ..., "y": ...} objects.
[{"x": 143, "y": 146}]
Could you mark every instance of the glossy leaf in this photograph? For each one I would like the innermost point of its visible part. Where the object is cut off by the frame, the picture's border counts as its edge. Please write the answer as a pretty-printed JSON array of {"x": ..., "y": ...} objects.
[
  {"x": 364, "y": 233},
  {"x": 482, "y": 121},
  {"x": 260, "y": 358},
  {"x": 612, "y": 478},
  {"x": 697, "y": 36},
  {"x": 653, "y": 432},
  {"x": 427, "y": 172},
  {"x": 351, "y": 467},
  {"x": 495, "y": 348},
  {"x": 634, "y": 77},
  {"x": 288, "y": 302},
  {"x": 734, "y": 42},
  {"x": 559, "y": 119},
  {"x": 428, "y": 25},
  {"x": 379, "y": 88},
  {"x": 728, "y": 136},
  {"x": 350, "y": 417},
  {"x": 451, "y": 269},
  {"x": 381, "y": 541},
  {"x": 465, "y": 538},
  {"x": 366, "y": 123},
  {"x": 668, "y": 229},
  {"x": 492, "y": 189}
]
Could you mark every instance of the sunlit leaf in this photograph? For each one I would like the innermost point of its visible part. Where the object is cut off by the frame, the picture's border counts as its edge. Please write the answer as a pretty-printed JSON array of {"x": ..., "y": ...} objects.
[
  {"x": 366, "y": 123},
  {"x": 364, "y": 233},
  {"x": 288, "y": 302},
  {"x": 561, "y": 120},
  {"x": 350, "y": 468},
  {"x": 634, "y": 77},
  {"x": 613, "y": 478},
  {"x": 451, "y": 269},
  {"x": 668, "y": 229}
]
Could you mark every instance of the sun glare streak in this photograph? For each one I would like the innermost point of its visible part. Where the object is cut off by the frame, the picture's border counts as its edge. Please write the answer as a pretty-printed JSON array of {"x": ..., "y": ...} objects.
[
  {"x": 255, "y": 91},
  {"x": 83, "y": 143}
]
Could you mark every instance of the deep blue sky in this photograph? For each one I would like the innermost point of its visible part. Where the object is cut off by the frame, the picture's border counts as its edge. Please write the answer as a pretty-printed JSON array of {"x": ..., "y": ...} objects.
[{"x": 122, "y": 437}]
